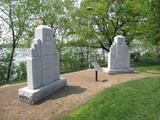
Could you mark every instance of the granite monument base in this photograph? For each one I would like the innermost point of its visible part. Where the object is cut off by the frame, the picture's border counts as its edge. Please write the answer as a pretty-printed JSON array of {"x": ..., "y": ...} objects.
[
  {"x": 32, "y": 96},
  {"x": 116, "y": 71}
]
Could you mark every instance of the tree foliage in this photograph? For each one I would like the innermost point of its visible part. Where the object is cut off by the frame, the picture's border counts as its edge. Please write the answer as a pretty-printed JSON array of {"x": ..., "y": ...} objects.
[{"x": 109, "y": 18}]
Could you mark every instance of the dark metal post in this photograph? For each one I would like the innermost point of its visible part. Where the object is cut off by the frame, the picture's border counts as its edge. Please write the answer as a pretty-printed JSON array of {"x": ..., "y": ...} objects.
[{"x": 96, "y": 75}]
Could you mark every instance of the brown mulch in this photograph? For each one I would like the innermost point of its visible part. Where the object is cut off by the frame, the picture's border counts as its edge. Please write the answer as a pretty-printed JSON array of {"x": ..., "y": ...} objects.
[{"x": 81, "y": 87}]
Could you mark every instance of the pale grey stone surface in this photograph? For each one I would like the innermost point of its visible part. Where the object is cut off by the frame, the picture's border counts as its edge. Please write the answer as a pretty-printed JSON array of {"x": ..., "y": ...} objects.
[
  {"x": 96, "y": 66},
  {"x": 32, "y": 96},
  {"x": 42, "y": 66},
  {"x": 119, "y": 57}
]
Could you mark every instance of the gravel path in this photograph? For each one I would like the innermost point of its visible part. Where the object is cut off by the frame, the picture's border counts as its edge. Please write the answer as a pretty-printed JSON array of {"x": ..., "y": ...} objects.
[{"x": 81, "y": 87}]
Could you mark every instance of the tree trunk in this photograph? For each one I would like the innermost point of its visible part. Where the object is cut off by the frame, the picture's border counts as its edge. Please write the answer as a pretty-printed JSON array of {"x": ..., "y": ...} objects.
[
  {"x": 103, "y": 54},
  {"x": 81, "y": 55},
  {"x": 87, "y": 55},
  {"x": 60, "y": 57},
  {"x": 158, "y": 52},
  {"x": 10, "y": 63}
]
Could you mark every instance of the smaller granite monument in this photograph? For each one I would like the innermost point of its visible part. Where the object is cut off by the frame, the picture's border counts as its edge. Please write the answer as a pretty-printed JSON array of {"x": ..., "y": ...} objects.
[
  {"x": 43, "y": 76},
  {"x": 119, "y": 57}
]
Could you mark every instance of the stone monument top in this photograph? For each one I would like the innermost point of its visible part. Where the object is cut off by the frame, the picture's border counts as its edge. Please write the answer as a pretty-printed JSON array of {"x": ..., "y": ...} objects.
[
  {"x": 119, "y": 56},
  {"x": 119, "y": 39}
]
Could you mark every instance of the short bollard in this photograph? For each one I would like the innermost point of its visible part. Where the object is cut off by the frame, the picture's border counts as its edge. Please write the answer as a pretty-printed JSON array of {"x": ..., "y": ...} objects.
[
  {"x": 96, "y": 75},
  {"x": 97, "y": 68}
]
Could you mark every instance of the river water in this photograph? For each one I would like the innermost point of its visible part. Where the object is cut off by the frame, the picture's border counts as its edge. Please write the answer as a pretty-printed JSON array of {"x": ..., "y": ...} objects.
[{"x": 22, "y": 53}]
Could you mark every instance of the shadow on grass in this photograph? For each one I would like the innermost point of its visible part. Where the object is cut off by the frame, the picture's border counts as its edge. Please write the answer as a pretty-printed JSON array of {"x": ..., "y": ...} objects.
[{"x": 63, "y": 92}]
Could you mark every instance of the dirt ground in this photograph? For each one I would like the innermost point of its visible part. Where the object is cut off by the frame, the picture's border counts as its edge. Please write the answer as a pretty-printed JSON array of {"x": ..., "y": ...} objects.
[{"x": 81, "y": 87}]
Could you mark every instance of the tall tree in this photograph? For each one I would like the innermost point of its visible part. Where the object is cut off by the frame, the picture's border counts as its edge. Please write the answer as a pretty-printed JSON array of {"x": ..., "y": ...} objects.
[
  {"x": 14, "y": 14},
  {"x": 154, "y": 25},
  {"x": 110, "y": 18},
  {"x": 57, "y": 14}
]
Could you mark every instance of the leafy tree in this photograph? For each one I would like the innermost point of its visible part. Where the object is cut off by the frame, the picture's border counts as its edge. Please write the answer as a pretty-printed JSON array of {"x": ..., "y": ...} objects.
[
  {"x": 14, "y": 14},
  {"x": 154, "y": 25},
  {"x": 57, "y": 15},
  {"x": 110, "y": 18}
]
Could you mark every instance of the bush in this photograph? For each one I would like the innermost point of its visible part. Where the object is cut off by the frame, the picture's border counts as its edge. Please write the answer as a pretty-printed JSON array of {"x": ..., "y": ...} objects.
[
  {"x": 21, "y": 71},
  {"x": 135, "y": 57},
  {"x": 4, "y": 60}
]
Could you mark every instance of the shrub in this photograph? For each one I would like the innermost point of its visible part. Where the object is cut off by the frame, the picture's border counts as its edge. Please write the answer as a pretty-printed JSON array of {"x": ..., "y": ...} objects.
[
  {"x": 21, "y": 71},
  {"x": 135, "y": 56},
  {"x": 4, "y": 60}
]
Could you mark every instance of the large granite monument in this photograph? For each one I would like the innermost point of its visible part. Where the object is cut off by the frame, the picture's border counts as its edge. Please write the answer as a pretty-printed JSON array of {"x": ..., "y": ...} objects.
[
  {"x": 119, "y": 57},
  {"x": 43, "y": 75}
]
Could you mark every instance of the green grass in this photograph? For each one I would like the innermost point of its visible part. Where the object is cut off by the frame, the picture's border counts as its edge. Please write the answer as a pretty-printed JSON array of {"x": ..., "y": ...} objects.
[
  {"x": 149, "y": 65},
  {"x": 134, "y": 100},
  {"x": 151, "y": 69},
  {"x": 12, "y": 82}
]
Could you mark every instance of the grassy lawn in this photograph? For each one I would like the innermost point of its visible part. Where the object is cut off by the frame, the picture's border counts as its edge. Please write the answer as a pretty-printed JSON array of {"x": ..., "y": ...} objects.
[
  {"x": 148, "y": 64},
  {"x": 134, "y": 100}
]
